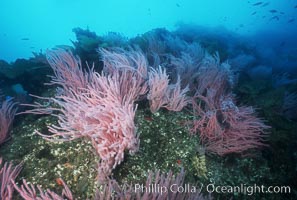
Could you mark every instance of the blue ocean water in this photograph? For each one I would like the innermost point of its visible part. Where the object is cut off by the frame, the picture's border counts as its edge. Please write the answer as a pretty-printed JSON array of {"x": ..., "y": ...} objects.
[
  {"x": 184, "y": 92},
  {"x": 28, "y": 26}
]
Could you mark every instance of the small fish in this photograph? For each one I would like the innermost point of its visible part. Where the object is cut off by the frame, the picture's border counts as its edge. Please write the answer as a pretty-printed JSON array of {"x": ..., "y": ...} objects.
[
  {"x": 149, "y": 12},
  {"x": 291, "y": 20},
  {"x": 177, "y": 5},
  {"x": 274, "y": 17},
  {"x": 295, "y": 6},
  {"x": 265, "y": 4},
  {"x": 273, "y": 11},
  {"x": 258, "y": 3},
  {"x": 254, "y": 13},
  {"x": 241, "y": 25},
  {"x": 25, "y": 39}
]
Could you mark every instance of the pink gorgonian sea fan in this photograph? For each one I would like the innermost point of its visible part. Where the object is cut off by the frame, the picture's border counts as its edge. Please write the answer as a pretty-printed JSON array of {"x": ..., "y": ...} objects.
[
  {"x": 8, "y": 172},
  {"x": 228, "y": 128},
  {"x": 7, "y": 114},
  {"x": 96, "y": 111}
]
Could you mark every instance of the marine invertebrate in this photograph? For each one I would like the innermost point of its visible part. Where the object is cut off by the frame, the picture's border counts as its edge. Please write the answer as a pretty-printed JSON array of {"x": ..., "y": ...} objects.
[
  {"x": 103, "y": 114},
  {"x": 241, "y": 131},
  {"x": 7, "y": 174},
  {"x": 7, "y": 113},
  {"x": 223, "y": 126},
  {"x": 28, "y": 192},
  {"x": 226, "y": 128},
  {"x": 163, "y": 94},
  {"x": 131, "y": 68},
  {"x": 158, "y": 185}
]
